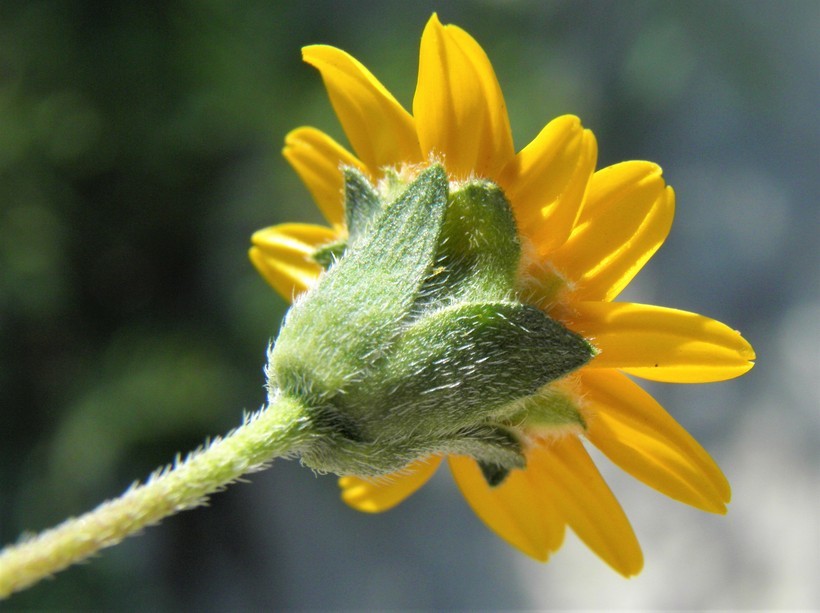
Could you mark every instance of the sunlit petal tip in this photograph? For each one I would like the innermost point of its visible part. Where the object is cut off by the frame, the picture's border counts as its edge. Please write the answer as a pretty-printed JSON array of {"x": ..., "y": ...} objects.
[
  {"x": 590, "y": 148},
  {"x": 612, "y": 186},
  {"x": 380, "y": 130},
  {"x": 458, "y": 105},
  {"x": 555, "y": 147},
  {"x": 433, "y": 22},
  {"x": 638, "y": 228},
  {"x": 570, "y": 203},
  {"x": 317, "y": 159},
  {"x": 633, "y": 569},
  {"x": 626, "y": 216},
  {"x": 299, "y": 239},
  {"x": 282, "y": 255},
  {"x": 518, "y": 510},
  {"x": 547, "y": 181},
  {"x": 662, "y": 344},
  {"x": 286, "y": 284},
  {"x": 637, "y": 169},
  {"x": 619, "y": 183},
  {"x": 668, "y": 208},
  {"x": 638, "y": 435},
  {"x": 568, "y": 122},
  {"x": 746, "y": 350},
  {"x": 588, "y": 506},
  {"x": 379, "y": 494}
]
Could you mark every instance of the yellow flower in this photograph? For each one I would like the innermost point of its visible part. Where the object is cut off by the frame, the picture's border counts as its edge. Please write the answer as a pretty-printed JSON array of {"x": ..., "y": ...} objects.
[{"x": 585, "y": 234}]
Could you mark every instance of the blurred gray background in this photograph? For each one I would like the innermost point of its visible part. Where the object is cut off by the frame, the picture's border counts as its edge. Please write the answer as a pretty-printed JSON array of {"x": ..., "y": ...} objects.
[{"x": 139, "y": 149}]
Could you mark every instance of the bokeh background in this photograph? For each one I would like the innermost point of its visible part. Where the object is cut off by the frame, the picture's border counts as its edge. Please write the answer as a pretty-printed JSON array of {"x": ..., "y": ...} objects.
[{"x": 139, "y": 149}]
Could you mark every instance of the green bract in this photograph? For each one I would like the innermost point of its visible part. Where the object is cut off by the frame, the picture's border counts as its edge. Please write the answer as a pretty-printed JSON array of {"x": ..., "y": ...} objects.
[{"x": 413, "y": 342}]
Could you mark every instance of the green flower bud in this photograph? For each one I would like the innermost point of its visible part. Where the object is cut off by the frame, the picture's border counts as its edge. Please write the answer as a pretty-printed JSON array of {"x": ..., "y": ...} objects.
[{"x": 414, "y": 342}]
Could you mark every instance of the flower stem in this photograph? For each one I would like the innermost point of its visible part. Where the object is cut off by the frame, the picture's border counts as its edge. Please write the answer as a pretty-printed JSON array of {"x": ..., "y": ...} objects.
[{"x": 277, "y": 430}]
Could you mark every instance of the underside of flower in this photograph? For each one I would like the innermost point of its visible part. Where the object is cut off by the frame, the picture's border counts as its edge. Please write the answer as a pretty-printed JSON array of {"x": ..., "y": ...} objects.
[
  {"x": 414, "y": 342},
  {"x": 480, "y": 320}
]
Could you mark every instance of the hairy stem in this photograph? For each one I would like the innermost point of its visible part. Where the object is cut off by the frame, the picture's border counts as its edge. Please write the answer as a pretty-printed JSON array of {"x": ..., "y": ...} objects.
[{"x": 278, "y": 430}]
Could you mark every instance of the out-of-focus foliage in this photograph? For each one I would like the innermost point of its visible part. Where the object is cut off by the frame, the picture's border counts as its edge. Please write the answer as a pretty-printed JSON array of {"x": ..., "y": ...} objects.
[{"x": 139, "y": 148}]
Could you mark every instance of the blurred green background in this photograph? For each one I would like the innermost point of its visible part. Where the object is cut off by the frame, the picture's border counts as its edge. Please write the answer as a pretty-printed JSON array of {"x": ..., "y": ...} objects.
[{"x": 139, "y": 149}]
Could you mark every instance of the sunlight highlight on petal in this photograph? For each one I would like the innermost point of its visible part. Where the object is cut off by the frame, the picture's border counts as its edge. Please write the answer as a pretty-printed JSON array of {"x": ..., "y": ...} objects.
[
  {"x": 547, "y": 180},
  {"x": 634, "y": 431},
  {"x": 317, "y": 160},
  {"x": 662, "y": 344},
  {"x": 383, "y": 493},
  {"x": 282, "y": 254},
  {"x": 381, "y": 132},
  {"x": 626, "y": 216},
  {"x": 588, "y": 505},
  {"x": 459, "y": 108},
  {"x": 519, "y": 510}
]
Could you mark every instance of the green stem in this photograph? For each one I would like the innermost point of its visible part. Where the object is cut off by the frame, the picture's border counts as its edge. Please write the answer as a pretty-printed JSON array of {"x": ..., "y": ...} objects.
[{"x": 278, "y": 430}]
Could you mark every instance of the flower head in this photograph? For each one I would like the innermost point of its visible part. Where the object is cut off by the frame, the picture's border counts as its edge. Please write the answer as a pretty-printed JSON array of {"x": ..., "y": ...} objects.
[{"x": 583, "y": 235}]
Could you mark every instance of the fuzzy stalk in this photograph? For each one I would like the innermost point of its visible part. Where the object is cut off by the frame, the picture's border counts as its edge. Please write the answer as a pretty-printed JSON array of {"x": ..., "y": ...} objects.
[{"x": 278, "y": 430}]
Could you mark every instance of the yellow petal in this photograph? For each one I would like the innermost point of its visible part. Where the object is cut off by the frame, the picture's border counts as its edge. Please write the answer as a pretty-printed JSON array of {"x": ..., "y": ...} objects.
[
  {"x": 588, "y": 505},
  {"x": 634, "y": 431},
  {"x": 384, "y": 493},
  {"x": 381, "y": 132},
  {"x": 547, "y": 180},
  {"x": 317, "y": 159},
  {"x": 626, "y": 216},
  {"x": 518, "y": 510},
  {"x": 662, "y": 344},
  {"x": 282, "y": 255},
  {"x": 458, "y": 106}
]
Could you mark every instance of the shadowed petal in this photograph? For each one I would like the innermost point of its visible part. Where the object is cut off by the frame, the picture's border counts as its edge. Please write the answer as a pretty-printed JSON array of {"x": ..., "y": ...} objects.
[
  {"x": 588, "y": 505},
  {"x": 662, "y": 344},
  {"x": 458, "y": 106},
  {"x": 381, "y": 494},
  {"x": 282, "y": 255},
  {"x": 317, "y": 160},
  {"x": 379, "y": 129},
  {"x": 626, "y": 216},
  {"x": 519, "y": 510},
  {"x": 634, "y": 431},
  {"x": 547, "y": 180}
]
